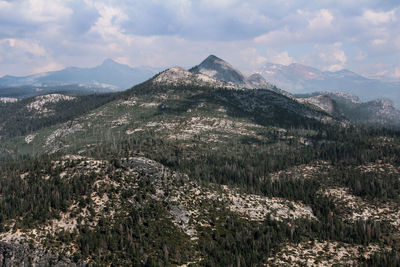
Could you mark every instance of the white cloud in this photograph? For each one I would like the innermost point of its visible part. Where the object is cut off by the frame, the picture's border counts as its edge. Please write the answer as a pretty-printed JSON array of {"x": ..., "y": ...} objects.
[
  {"x": 361, "y": 55},
  {"x": 378, "y": 42},
  {"x": 40, "y": 34},
  {"x": 277, "y": 37},
  {"x": 397, "y": 72},
  {"x": 22, "y": 46},
  {"x": 108, "y": 25},
  {"x": 219, "y": 4},
  {"x": 44, "y": 11},
  {"x": 318, "y": 27},
  {"x": 323, "y": 19},
  {"x": 397, "y": 42},
  {"x": 280, "y": 58},
  {"x": 377, "y": 18},
  {"x": 24, "y": 56},
  {"x": 36, "y": 11},
  {"x": 251, "y": 58},
  {"x": 334, "y": 67},
  {"x": 332, "y": 56},
  {"x": 47, "y": 66}
]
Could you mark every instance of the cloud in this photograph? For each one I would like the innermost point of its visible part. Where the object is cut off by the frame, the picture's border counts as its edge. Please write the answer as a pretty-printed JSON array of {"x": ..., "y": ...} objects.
[
  {"x": 377, "y": 18},
  {"x": 49, "y": 66},
  {"x": 162, "y": 33},
  {"x": 323, "y": 19},
  {"x": 277, "y": 38},
  {"x": 361, "y": 55},
  {"x": 397, "y": 72},
  {"x": 315, "y": 26},
  {"x": 23, "y": 56},
  {"x": 280, "y": 58},
  {"x": 378, "y": 42},
  {"x": 332, "y": 56},
  {"x": 22, "y": 46},
  {"x": 108, "y": 24}
]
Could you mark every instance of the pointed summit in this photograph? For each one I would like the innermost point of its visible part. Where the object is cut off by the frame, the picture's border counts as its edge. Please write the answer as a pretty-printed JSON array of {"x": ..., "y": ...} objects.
[
  {"x": 212, "y": 58},
  {"x": 221, "y": 70},
  {"x": 108, "y": 62},
  {"x": 179, "y": 76}
]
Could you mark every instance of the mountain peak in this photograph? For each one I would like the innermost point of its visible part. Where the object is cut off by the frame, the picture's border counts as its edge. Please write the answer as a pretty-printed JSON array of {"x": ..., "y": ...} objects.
[
  {"x": 109, "y": 62},
  {"x": 219, "y": 69},
  {"x": 213, "y": 61},
  {"x": 212, "y": 58},
  {"x": 179, "y": 76}
]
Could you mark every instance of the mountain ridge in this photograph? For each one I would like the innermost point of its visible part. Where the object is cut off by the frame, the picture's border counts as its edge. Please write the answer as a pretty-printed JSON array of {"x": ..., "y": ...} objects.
[
  {"x": 110, "y": 74},
  {"x": 298, "y": 78},
  {"x": 219, "y": 69},
  {"x": 377, "y": 112}
]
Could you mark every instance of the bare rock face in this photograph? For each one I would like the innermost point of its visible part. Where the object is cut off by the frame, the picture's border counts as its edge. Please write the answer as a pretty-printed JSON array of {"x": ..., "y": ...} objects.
[
  {"x": 379, "y": 112},
  {"x": 344, "y": 97},
  {"x": 258, "y": 81},
  {"x": 221, "y": 70},
  {"x": 324, "y": 102},
  {"x": 179, "y": 76},
  {"x": 23, "y": 255},
  {"x": 382, "y": 111}
]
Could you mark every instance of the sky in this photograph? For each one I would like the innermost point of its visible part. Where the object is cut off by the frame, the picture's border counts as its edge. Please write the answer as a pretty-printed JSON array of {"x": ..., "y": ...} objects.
[{"x": 45, "y": 35}]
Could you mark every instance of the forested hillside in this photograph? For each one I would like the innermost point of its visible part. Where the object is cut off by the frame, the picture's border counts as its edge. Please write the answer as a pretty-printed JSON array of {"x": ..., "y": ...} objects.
[
  {"x": 196, "y": 174},
  {"x": 33, "y": 113}
]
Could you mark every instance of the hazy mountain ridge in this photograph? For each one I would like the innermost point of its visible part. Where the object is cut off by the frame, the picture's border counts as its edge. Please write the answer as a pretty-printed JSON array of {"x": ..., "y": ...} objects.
[
  {"x": 376, "y": 113},
  {"x": 298, "y": 78},
  {"x": 109, "y": 75}
]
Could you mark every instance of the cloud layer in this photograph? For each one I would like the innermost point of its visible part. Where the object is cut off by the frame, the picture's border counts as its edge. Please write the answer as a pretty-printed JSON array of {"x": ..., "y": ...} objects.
[{"x": 40, "y": 35}]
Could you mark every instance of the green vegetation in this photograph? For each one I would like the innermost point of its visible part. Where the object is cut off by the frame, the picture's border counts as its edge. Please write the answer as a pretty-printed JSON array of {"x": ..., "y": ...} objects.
[
  {"x": 247, "y": 140},
  {"x": 17, "y": 120}
]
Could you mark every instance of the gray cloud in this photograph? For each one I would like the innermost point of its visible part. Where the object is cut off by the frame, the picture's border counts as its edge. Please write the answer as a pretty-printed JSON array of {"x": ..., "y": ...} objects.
[{"x": 39, "y": 35}]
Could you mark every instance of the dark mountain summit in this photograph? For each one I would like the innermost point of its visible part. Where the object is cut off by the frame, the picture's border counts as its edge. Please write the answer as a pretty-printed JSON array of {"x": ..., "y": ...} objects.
[{"x": 220, "y": 70}]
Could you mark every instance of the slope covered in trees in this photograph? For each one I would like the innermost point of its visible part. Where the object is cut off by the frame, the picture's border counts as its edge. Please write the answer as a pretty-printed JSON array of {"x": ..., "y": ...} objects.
[{"x": 181, "y": 174}]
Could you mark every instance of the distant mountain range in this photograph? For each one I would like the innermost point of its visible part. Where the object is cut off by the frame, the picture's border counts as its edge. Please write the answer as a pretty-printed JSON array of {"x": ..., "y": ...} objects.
[
  {"x": 110, "y": 75},
  {"x": 113, "y": 76},
  {"x": 215, "y": 72},
  {"x": 298, "y": 78},
  {"x": 374, "y": 104},
  {"x": 378, "y": 112}
]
